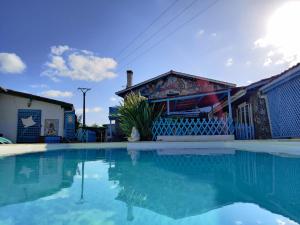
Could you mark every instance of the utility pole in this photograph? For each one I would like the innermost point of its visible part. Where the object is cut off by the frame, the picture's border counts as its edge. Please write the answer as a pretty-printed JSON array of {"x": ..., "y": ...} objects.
[{"x": 84, "y": 91}]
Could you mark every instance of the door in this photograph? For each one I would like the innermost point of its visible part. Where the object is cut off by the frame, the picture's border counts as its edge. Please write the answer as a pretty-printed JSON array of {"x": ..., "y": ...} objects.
[
  {"x": 69, "y": 125},
  {"x": 29, "y": 125}
]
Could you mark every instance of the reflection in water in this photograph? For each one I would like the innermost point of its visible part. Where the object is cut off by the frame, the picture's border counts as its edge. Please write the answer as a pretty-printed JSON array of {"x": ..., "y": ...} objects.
[
  {"x": 185, "y": 185},
  {"x": 32, "y": 176},
  {"x": 170, "y": 183}
]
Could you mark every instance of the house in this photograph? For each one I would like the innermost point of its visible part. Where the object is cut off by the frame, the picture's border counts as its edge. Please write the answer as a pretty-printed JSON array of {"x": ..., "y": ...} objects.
[
  {"x": 268, "y": 108},
  {"x": 113, "y": 131},
  {"x": 186, "y": 96},
  {"x": 283, "y": 103},
  {"x": 249, "y": 109},
  {"x": 171, "y": 84},
  {"x": 25, "y": 118},
  {"x": 199, "y": 106}
]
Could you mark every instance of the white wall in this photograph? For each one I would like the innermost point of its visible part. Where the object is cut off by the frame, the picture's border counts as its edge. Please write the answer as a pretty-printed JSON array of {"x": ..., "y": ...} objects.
[{"x": 9, "y": 106}]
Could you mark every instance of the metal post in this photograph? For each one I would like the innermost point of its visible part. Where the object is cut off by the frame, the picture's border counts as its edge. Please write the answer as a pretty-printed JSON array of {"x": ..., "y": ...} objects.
[
  {"x": 83, "y": 158},
  {"x": 168, "y": 107},
  {"x": 82, "y": 180},
  {"x": 83, "y": 109},
  {"x": 110, "y": 130},
  {"x": 84, "y": 91},
  {"x": 229, "y": 104}
]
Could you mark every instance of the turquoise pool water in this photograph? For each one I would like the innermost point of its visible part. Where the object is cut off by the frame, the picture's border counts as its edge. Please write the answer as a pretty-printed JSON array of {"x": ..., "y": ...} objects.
[{"x": 116, "y": 187}]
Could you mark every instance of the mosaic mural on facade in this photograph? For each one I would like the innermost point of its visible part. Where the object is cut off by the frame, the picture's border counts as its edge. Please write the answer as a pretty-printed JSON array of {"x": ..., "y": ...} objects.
[{"x": 173, "y": 85}]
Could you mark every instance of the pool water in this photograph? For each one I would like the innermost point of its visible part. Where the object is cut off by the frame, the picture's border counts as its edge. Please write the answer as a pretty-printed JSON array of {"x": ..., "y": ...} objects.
[{"x": 119, "y": 186}]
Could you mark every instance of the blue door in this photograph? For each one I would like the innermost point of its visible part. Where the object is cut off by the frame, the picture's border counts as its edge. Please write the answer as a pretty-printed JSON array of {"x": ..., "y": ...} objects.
[
  {"x": 69, "y": 125},
  {"x": 29, "y": 125}
]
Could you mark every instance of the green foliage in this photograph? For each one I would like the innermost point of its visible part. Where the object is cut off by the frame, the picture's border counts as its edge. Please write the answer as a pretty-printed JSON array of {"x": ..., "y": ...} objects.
[{"x": 137, "y": 112}]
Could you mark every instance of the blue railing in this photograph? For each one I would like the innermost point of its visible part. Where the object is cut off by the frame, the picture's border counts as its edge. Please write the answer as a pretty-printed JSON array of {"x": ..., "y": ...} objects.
[
  {"x": 244, "y": 131},
  {"x": 192, "y": 126},
  {"x": 84, "y": 135}
]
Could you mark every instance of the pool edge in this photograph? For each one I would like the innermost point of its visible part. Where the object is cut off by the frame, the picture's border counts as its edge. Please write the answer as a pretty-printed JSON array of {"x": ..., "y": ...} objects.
[{"x": 273, "y": 146}]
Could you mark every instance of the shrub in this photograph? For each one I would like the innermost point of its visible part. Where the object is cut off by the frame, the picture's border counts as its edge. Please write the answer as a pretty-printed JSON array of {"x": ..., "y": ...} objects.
[{"x": 137, "y": 112}]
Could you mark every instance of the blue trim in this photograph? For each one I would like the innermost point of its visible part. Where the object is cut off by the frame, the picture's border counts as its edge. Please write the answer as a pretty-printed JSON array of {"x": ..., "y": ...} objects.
[
  {"x": 279, "y": 81},
  {"x": 189, "y": 96},
  {"x": 244, "y": 131}
]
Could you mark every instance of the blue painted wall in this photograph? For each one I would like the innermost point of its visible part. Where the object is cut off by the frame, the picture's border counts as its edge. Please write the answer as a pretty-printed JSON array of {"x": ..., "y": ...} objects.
[{"x": 284, "y": 108}]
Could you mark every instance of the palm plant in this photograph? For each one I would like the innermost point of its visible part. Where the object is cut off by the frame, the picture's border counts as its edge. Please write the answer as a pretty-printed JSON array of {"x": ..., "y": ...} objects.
[{"x": 137, "y": 112}]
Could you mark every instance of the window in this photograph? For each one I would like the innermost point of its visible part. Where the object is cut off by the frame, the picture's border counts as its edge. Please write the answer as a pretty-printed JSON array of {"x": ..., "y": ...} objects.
[{"x": 244, "y": 114}]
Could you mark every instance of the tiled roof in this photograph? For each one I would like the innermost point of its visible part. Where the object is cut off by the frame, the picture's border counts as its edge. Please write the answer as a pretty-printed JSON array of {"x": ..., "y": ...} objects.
[
  {"x": 282, "y": 77},
  {"x": 172, "y": 72},
  {"x": 65, "y": 105}
]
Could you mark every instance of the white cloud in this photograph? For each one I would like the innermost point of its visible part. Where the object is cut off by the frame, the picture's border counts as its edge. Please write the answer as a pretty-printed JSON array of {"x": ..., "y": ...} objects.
[
  {"x": 200, "y": 33},
  {"x": 267, "y": 61},
  {"x": 59, "y": 50},
  {"x": 248, "y": 63},
  {"x": 96, "y": 109},
  {"x": 90, "y": 110},
  {"x": 57, "y": 94},
  {"x": 213, "y": 34},
  {"x": 64, "y": 193},
  {"x": 282, "y": 35},
  {"x": 229, "y": 62},
  {"x": 39, "y": 86},
  {"x": 11, "y": 63},
  {"x": 280, "y": 222},
  {"x": 78, "y": 65},
  {"x": 115, "y": 99}
]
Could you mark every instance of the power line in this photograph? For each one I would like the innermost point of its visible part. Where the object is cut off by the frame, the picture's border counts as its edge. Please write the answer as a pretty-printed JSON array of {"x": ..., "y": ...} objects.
[
  {"x": 147, "y": 28},
  {"x": 172, "y": 32},
  {"x": 160, "y": 29}
]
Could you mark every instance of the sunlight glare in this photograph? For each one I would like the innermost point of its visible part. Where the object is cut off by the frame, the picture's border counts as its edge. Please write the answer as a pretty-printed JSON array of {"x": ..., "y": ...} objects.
[{"x": 283, "y": 32}]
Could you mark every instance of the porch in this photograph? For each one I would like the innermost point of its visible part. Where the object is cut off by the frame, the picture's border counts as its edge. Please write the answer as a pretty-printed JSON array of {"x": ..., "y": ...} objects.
[{"x": 190, "y": 118}]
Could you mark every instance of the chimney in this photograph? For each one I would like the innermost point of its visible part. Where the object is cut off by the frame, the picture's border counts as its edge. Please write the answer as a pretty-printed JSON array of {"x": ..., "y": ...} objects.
[{"x": 129, "y": 78}]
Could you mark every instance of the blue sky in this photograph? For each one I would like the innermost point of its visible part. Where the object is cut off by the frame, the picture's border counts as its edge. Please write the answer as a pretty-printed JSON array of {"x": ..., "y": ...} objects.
[{"x": 51, "y": 48}]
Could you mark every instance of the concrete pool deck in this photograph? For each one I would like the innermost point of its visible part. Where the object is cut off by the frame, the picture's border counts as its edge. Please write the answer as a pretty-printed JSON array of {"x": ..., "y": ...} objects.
[{"x": 273, "y": 146}]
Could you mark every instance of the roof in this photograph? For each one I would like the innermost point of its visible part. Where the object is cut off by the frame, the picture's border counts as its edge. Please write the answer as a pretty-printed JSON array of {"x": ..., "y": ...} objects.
[
  {"x": 172, "y": 72},
  {"x": 282, "y": 78},
  {"x": 65, "y": 105},
  {"x": 244, "y": 90}
]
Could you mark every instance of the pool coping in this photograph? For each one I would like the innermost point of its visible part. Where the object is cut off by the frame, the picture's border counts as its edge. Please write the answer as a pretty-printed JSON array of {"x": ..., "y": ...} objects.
[{"x": 273, "y": 146}]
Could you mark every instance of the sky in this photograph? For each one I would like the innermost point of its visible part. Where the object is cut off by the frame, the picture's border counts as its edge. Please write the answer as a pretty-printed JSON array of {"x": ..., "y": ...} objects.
[{"x": 50, "y": 48}]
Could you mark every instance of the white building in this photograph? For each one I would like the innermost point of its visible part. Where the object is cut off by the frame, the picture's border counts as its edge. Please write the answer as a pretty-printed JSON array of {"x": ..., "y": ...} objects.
[{"x": 25, "y": 117}]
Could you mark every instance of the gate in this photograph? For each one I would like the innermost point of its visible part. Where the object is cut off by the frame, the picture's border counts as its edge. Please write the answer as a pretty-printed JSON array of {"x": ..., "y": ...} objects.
[{"x": 29, "y": 125}]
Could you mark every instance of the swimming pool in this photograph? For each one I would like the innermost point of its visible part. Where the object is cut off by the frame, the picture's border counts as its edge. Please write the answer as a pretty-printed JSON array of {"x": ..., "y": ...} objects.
[{"x": 120, "y": 186}]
